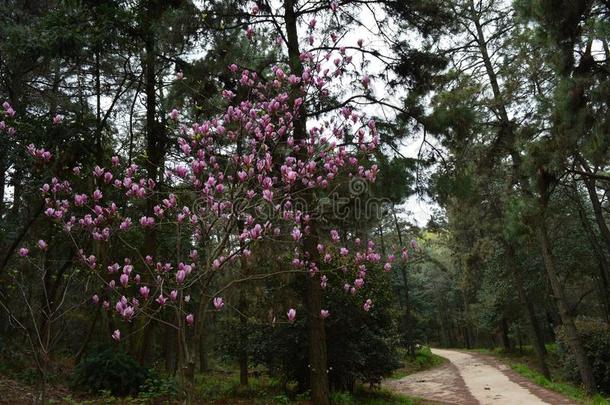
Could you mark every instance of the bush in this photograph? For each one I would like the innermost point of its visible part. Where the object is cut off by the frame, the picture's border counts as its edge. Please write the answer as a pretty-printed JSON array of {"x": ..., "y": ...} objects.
[
  {"x": 110, "y": 370},
  {"x": 595, "y": 336}
]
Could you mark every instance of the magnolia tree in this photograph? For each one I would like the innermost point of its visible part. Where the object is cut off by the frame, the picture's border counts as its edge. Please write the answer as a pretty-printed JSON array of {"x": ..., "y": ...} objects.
[{"x": 242, "y": 178}]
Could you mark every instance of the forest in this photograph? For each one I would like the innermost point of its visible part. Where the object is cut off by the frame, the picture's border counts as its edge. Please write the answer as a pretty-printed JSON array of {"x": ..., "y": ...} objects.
[{"x": 361, "y": 202}]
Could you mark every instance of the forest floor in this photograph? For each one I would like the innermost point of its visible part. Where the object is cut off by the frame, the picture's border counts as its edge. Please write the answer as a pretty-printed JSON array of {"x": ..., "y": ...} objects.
[{"x": 473, "y": 378}]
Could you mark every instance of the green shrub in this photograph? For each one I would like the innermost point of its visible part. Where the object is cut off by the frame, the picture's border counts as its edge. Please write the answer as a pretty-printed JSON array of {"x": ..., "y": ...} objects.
[
  {"x": 156, "y": 386},
  {"x": 110, "y": 370},
  {"x": 595, "y": 336}
]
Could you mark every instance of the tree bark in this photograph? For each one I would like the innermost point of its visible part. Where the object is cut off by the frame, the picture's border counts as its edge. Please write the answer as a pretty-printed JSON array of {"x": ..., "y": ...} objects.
[
  {"x": 534, "y": 328},
  {"x": 407, "y": 315},
  {"x": 603, "y": 265},
  {"x": 318, "y": 362},
  {"x": 584, "y": 366}
]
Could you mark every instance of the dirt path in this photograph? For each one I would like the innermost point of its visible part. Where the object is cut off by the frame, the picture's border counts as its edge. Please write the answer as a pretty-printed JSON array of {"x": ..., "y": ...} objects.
[{"x": 470, "y": 378}]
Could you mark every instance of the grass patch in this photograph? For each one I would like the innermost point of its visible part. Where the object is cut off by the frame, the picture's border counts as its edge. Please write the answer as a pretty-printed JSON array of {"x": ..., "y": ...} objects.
[
  {"x": 373, "y": 397},
  {"x": 564, "y": 388},
  {"x": 424, "y": 360}
]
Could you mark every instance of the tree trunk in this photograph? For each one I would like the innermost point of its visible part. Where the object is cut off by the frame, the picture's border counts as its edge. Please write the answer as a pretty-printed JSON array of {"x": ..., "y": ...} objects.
[
  {"x": 584, "y": 366},
  {"x": 320, "y": 394},
  {"x": 243, "y": 321},
  {"x": 534, "y": 328},
  {"x": 407, "y": 316},
  {"x": 597, "y": 207},
  {"x": 317, "y": 344},
  {"x": 155, "y": 153},
  {"x": 505, "y": 337},
  {"x": 603, "y": 266}
]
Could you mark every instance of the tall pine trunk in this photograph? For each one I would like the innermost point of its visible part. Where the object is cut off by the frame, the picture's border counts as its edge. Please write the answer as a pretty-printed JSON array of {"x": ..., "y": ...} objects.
[
  {"x": 584, "y": 365},
  {"x": 534, "y": 328},
  {"x": 320, "y": 394}
]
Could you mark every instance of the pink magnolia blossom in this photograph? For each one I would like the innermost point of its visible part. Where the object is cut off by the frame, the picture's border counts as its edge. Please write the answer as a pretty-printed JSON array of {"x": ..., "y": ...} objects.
[
  {"x": 296, "y": 234},
  {"x": 125, "y": 224},
  {"x": 324, "y": 313},
  {"x": 291, "y": 314},
  {"x": 116, "y": 335},
  {"x": 367, "y": 305},
  {"x": 190, "y": 319},
  {"x": 23, "y": 252},
  {"x": 323, "y": 281},
  {"x": 180, "y": 276},
  {"x": 42, "y": 245},
  {"x": 366, "y": 80},
  {"x": 144, "y": 292},
  {"x": 218, "y": 303}
]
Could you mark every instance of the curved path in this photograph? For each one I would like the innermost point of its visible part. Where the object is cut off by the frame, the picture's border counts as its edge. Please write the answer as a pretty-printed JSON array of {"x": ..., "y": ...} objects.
[{"x": 470, "y": 379}]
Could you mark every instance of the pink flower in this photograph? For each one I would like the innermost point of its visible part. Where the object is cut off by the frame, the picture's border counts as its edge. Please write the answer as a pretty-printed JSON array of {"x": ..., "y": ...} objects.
[
  {"x": 173, "y": 295},
  {"x": 324, "y": 313},
  {"x": 58, "y": 119},
  {"x": 367, "y": 305},
  {"x": 125, "y": 224},
  {"x": 218, "y": 303},
  {"x": 366, "y": 80},
  {"x": 323, "y": 281},
  {"x": 249, "y": 33},
  {"x": 144, "y": 292},
  {"x": 80, "y": 199},
  {"x": 291, "y": 176},
  {"x": 124, "y": 279},
  {"x": 334, "y": 235},
  {"x": 190, "y": 319},
  {"x": 387, "y": 266},
  {"x": 181, "y": 171},
  {"x": 296, "y": 234},
  {"x": 95, "y": 299},
  {"x": 147, "y": 222},
  {"x": 180, "y": 276},
  {"x": 256, "y": 231},
  {"x": 161, "y": 299},
  {"x": 97, "y": 195},
  {"x": 116, "y": 335},
  {"x": 291, "y": 314},
  {"x": 179, "y": 75},
  {"x": 128, "y": 313},
  {"x": 42, "y": 245},
  {"x": 23, "y": 252},
  {"x": 173, "y": 115}
]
